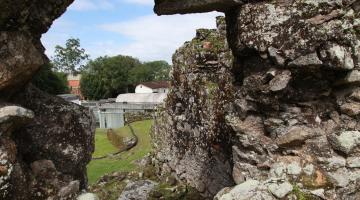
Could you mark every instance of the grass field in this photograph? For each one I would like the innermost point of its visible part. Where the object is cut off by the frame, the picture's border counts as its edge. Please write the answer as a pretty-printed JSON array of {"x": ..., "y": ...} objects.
[
  {"x": 103, "y": 145},
  {"x": 124, "y": 161}
]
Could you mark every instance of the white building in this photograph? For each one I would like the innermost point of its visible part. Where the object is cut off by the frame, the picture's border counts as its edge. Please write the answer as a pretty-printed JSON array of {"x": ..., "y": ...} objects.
[
  {"x": 146, "y": 97},
  {"x": 111, "y": 115},
  {"x": 141, "y": 98},
  {"x": 152, "y": 87}
]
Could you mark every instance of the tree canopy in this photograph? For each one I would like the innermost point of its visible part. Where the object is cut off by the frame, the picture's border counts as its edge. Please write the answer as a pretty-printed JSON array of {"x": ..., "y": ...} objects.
[
  {"x": 49, "y": 81},
  {"x": 71, "y": 58},
  {"x": 106, "y": 77},
  {"x": 150, "y": 71}
]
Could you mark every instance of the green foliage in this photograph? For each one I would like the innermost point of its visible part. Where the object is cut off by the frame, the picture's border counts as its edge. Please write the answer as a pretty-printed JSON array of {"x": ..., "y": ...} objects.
[
  {"x": 71, "y": 58},
  {"x": 125, "y": 161},
  {"x": 106, "y": 77},
  {"x": 49, "y": 81},
  {"x": 150, "y": 71},
  {"x": 301, "y": 195}
]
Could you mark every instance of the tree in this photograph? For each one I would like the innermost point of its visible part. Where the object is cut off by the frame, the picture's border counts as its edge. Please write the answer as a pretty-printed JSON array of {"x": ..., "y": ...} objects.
[
  {"x": 160, "y": 69},
  {"x": 150, "y": 71},
  {"x": 71, "y": 58},
  {"x": 49, "y": 81},
  {"x": 106, "y": 77}
]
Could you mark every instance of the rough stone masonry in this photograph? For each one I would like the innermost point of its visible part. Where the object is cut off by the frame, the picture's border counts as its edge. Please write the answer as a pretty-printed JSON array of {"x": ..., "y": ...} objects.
[
  {"x": 277, "y": 119},
  {"x": 45, "y": 142}
]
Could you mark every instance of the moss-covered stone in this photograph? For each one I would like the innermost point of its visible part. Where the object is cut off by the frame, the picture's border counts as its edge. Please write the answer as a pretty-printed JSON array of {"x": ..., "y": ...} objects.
[
  {"x": 180, "y": 192},
  {"x": 300, "y": 195},
  {"x": 315, "y": 181},
  {"x": 193, "y": 124}
]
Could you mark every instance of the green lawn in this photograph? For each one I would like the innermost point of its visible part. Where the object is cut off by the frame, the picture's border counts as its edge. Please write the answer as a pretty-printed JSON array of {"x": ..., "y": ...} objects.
[
  {"x": 103, "y": 145},
  {"x": 124, "y": 161}
]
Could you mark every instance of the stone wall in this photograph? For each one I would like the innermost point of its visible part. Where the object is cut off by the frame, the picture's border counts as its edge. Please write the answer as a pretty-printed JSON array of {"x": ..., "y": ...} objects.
[
  {"x": 293, "y": 106},
  {"x": 191, "y": 135},
  {"x": 131, "y": 117},
  {"x": 45, "y": 142},
  {"x": 279, "y": 118}
]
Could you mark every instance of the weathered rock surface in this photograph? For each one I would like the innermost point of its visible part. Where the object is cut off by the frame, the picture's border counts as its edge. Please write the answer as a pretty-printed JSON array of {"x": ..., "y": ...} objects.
[
  {"x": 353, "y": 162},
  {"x": 43, "y": 155},
  {"x": 142, "y": 184},
  {"x": 280, "y": 190},
  {"x": 20, "y": 59},
  {"x": 283, "y": 108},
  {"x": 292, "y": 111},
  {"x": 297, "y": 29},
  {"x": 139, "y": 190},
  {"x": 21, "y": 25},
  {"x": 67, "y": 137},
  {"x": 45, "y": 142},
  {"x": 12, "y": 117},
  {"x": 346, "y": 141},
  {"x": 33, "y": 17},
  {"x": 88, "y": 196},
  {"x": 249, "y": 190},
  {"x": 168, "y": 7},
  {"x": 191, "y": 137}
]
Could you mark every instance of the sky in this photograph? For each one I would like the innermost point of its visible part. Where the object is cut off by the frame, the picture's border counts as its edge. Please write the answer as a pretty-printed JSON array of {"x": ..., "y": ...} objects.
[{"x": 126, "y": 27}]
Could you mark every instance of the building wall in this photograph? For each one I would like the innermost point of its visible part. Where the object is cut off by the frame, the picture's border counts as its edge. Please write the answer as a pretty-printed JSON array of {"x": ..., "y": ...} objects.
[
  {"x": 141, "y": 98},
  {"x": 143, "y": 89},
  {"x": 111, "y": 119},
  {"x": 74, "y": 85}
]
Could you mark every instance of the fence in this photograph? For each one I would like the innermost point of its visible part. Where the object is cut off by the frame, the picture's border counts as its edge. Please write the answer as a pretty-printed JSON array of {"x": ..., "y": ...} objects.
[{"x": 111, "y": 115}]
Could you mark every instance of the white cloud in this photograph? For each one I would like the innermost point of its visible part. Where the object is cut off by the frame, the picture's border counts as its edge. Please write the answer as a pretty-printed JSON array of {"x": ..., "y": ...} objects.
[
  {"x": 141, "y": 2},
  {"x": 87, "y": 5},
  {"x": 153, "y": 37},
  {"x": 58, "y": 34},
  {"x": 147, "y": 38}
]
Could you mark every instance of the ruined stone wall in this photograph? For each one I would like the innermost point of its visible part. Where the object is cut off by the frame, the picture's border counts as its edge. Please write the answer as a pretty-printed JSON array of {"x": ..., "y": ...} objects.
[
  {"x": 294, "y": 110},
  {"x": 192, "y": 126},
  {"x": 45, "y": 142}
]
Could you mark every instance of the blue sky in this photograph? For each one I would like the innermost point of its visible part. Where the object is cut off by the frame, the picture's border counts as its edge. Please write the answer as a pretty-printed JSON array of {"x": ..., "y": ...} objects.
[{"x": 127, "y": 27}]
